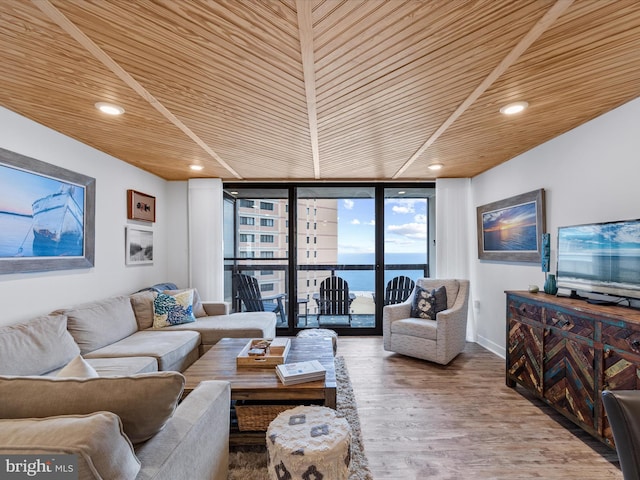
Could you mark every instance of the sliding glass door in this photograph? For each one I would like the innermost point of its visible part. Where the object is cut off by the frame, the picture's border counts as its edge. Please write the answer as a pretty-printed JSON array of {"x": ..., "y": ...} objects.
[
  {"x": 336, "y": 256},
  {"x": 324, "y": 255}
]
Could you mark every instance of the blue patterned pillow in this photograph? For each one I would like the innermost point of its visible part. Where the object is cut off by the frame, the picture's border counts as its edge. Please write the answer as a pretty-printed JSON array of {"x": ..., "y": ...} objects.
[
  {"x": 173, "y": 309},
  {"x": 423, "y": 304}
]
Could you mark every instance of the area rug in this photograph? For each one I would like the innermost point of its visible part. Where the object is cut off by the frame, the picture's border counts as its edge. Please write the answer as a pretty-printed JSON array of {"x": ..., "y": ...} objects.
[{"x": 251, "y": 463}]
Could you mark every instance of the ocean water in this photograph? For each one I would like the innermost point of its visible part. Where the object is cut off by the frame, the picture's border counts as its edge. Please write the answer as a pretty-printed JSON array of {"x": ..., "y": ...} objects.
[
  {"x": 364, "y": 280},
  {"x": 520, "y": 239},
  {"x": 15, "y": 233}
]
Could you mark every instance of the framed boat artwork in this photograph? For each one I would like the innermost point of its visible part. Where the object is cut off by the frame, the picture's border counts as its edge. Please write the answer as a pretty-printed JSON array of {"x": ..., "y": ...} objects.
[{"x": 47, "y": 216}]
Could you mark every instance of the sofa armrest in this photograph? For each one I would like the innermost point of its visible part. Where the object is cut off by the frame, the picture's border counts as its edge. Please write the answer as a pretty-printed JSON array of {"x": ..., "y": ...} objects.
[
  {"x": 195, "y": 440},
  {"x": 217, "y": 308}
]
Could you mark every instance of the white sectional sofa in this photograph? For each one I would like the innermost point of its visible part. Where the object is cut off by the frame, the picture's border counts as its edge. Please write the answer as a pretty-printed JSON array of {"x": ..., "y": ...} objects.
[{"x": 126, "y": 398}]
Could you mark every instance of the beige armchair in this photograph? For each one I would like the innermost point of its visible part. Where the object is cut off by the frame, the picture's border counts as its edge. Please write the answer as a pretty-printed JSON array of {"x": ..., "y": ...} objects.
[{"x": 438, "y": 340}]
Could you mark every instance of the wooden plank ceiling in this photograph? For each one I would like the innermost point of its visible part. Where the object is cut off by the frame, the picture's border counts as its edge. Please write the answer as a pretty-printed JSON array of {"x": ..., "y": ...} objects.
[{"x": 317, "y": 89}]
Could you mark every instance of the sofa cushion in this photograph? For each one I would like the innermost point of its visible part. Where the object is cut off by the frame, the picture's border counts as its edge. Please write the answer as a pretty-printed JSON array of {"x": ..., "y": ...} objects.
[
  {"x": 423, "y": 304},
  {"x": 169, "y": 349},
  {"x": 236, "y": 325},
  {"x": 198, "y": 309},
  {"x": 119, "y": 367},
  {"x": 142, "y": 304},
  {"x": 173, "y": 309},
  {"x": 96, "y": 324},
  {"x": 101, "y": 447},
  {"x": 78, "y": 367},
  {"x": 144, "y": 402},
  {"x": 36, "y": 347},
  {"x": 123, "y": 366}
]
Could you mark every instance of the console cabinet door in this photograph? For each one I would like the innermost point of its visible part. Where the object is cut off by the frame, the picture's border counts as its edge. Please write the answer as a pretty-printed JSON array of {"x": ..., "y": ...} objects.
[
  {"x": 525, "y": 355},
  {"x": 569, "y": 379}
]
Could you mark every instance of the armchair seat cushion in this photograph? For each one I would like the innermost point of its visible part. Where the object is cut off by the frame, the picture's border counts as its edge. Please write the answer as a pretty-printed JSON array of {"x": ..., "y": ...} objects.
[{"x": 416, "y": 327}]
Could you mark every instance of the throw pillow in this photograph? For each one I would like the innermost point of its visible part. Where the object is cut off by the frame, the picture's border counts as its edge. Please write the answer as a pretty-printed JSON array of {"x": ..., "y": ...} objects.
[
  {"x": 36, "y": 347},
  {"x": 198, "y": 309},
  {"x": 173, "y": 309},
  {"x": 440, "y": 294},
  {"x": 144, "y": 402},
  {"x": 423, "y": 304},
  {"x": 101, "y": 448},
  {"x": 78, "y": 367}
]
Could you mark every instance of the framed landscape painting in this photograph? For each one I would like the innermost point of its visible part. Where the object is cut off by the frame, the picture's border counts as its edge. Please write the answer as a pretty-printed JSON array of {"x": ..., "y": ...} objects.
[
  {"x": 511, "y": 229},
  {"x": 138, "y": 246},
  {"x": 47, "y": 216}
]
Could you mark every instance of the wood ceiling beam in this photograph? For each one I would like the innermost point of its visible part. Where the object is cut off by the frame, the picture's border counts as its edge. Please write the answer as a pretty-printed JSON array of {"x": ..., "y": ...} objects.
[
  {"x": 536, "y": 31},
  {"x": 63, "y": 22},
  {"x": 305, "y": 27}
]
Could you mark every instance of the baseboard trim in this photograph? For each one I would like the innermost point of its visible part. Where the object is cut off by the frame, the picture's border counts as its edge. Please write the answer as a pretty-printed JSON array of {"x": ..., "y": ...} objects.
[{"x": 492, "y": 346}]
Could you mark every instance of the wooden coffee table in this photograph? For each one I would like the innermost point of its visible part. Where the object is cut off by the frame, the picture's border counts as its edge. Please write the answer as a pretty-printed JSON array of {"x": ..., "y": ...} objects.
[{"x": 262, "y": 384}]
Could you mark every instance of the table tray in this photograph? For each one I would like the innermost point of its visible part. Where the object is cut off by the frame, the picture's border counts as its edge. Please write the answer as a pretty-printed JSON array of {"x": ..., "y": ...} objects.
[{"x": 276, "y": 353}]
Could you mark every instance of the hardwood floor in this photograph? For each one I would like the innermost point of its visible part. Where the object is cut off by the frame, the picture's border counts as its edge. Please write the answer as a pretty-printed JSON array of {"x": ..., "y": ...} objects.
[{"x": 421, "y": 420}]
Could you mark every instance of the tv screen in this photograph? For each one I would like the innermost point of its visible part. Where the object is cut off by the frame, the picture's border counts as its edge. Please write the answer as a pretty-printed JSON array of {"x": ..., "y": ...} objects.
[{"x": 600, "y": 258}]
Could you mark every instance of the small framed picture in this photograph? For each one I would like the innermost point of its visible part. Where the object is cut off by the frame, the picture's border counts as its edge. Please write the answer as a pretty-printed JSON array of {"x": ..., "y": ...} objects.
[
  {"x": 141, "y": 206},
  {"x": 138, "y": 246}
]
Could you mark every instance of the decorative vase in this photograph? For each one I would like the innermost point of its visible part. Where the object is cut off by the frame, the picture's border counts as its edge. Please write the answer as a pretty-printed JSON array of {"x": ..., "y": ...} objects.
[{"x": 550, "y": 285}]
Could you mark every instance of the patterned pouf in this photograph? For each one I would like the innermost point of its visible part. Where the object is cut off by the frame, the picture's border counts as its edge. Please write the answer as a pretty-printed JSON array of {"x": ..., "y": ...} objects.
[
  {"x": 309, "y": 443},
  {"x": 320, "y": 332}
]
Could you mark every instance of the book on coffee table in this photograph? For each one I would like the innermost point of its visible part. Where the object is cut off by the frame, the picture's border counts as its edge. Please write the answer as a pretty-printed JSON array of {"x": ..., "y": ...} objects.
[{"x": 300, "y": 372}]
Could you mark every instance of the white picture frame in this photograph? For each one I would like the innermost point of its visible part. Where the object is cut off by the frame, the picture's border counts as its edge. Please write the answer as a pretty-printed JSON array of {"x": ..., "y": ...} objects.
[{"x": 138, "y": 246}]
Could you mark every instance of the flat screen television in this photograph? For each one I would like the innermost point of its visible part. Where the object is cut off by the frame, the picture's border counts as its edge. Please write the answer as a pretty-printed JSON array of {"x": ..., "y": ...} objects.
[{"x": 600, "y": 258}]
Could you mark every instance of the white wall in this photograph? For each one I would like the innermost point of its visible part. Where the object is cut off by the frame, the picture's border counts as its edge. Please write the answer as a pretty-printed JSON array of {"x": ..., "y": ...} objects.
[
  {"x": 24, "y": 295},
  {"x": 589, "y": 174},
  {"x": 178, "y": 234}
]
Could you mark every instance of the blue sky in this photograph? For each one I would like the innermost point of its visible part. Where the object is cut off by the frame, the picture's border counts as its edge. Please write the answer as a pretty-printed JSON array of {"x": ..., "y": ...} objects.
[{"x": 405, "y": 229}]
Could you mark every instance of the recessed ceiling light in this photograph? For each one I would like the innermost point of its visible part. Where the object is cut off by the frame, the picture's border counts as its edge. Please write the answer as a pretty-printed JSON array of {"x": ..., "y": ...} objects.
[
  {"x": 435, "y": 166},
  {"x": 109, "y": 108},
  {"x": 401, "y": 192},
  {"x": 233, "y": 192},
  {"x": 196, "y": 167},
  {"x": 515, "y": 107}
]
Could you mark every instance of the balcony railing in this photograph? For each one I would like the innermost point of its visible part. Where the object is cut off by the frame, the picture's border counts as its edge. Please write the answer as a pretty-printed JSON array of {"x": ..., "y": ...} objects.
[{"x": 276, "y": 276}]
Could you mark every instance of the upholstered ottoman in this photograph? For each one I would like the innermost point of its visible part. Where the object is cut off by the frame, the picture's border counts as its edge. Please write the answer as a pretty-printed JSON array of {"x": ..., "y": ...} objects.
[
  {"x": 320, "y": 332},
  {"x": 309, "y": 442}
]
